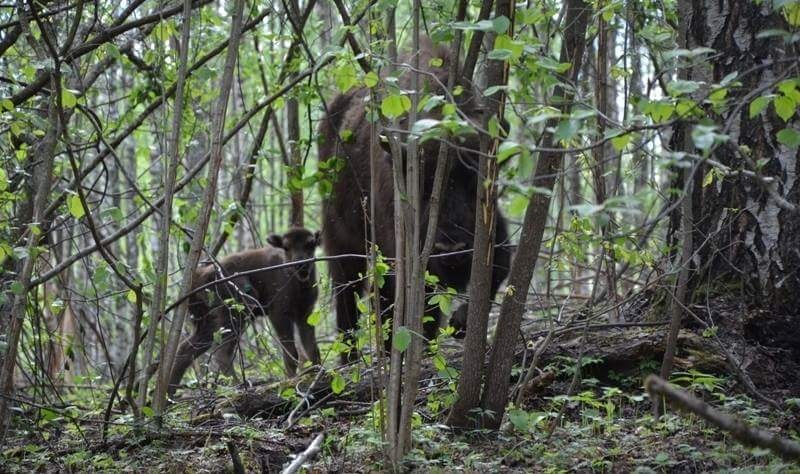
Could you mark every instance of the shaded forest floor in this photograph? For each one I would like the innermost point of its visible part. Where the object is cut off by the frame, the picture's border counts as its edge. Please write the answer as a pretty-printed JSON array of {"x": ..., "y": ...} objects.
[{"x": 604, "y": 424}]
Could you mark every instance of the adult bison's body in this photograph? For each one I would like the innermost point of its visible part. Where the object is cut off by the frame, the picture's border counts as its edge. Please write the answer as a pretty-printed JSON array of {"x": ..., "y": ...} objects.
[{"x": 345, "y": 210}]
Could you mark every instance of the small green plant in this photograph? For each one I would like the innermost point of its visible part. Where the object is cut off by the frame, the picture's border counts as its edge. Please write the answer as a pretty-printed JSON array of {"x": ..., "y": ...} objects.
[{"x": 698, "y": 381}]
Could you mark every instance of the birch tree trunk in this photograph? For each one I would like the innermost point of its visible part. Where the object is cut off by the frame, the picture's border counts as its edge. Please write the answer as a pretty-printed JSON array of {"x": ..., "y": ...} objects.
[{"x": 753, "y": 227}]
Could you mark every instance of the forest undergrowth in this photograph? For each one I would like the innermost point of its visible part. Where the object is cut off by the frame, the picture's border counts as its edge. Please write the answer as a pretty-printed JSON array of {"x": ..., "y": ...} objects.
[{"x": 597, "y": 421}]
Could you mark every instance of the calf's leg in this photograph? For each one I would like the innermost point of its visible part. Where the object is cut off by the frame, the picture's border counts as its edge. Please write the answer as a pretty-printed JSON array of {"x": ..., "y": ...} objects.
[
  {"x": 285, "y": 336},
  {"x": 308, "y": 342}
]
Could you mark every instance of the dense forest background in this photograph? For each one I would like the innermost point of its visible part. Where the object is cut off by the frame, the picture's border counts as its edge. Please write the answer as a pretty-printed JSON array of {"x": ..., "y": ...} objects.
[{"x": 644, "y": 154}]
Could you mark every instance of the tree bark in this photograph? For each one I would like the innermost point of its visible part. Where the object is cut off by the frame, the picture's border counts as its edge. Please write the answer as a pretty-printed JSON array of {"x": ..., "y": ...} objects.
[
  {"x": 157, "y": 303},
  {"x": 495, "y": 394},
  {"x": 43, "y": 154},
  {"x": 752, "y": 230},
  {"x": 480, "y": 282},
  {"x": 217, "y": 141}
]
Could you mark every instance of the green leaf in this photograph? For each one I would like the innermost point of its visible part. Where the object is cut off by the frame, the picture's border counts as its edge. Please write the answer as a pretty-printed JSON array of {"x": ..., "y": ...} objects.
[
  {"x": 507, "y": 149},
  {"x": 518, "y": 205},
  {"x": 493, "y": 127},
  {"x": 401, "y": 339},
  {"x": 519, "y": 418},
  {"x": 68, "y": 99},
  {"x": 439, "y": 362},
  {"x": 758, "y": 105},
  {"x": 17, "y": 288},
  {"x": 5, "y": 251},
  {"x": 75, "y": 206},
  {"x": 659, "y": 111},
  {"x": 705, "y": 136},
  {"x": 371, "y": 79},
  {"x": 791, "y": 12},
  {"x": 338, "y": 384},
  {"x": 785, "y": 107},
  {"x": 3, "y": 180},
  {"x": 499, "y": 54},
  {"x": 423, "y": 125},
  {"x": 314, "y": 318},
  {"x": 395, "y": 105},
  {"x": 345, "y": 77},
  {"x": 708, "y": 178},
  {"x": 566, "y": 129},
  {"x": 552, "y": 65},
  {"x": 490, "y": 91},
  {"x": 506, "y": 47},
  {"x": 621, "y": 141},
  {"x": 788, "y": 87},
  {"x": 680, "y": 87},
  {"x": 147, "y": 412},
  {"x": 8, "y": 105},
  {"x": 346, "y": 135},
  {"x": 48, "y": 415},
  {"x": 789, "y": 137},
  {"x": 500, "y": 24},
  {"x": 483, "y": 25},
  {"x": 436, "y": 62}
]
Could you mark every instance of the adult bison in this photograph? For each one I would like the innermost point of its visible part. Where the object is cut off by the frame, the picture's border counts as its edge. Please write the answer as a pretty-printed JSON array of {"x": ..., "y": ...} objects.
[{"x": 345, "y": 133}]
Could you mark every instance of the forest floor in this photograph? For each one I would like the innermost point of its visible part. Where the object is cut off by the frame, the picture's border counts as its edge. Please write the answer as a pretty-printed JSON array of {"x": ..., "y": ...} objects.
[{"x": 604, "y": 425}]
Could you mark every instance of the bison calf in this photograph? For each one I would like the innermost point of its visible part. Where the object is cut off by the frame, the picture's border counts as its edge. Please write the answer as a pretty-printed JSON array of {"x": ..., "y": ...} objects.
[{"x": 285, "y": 295}]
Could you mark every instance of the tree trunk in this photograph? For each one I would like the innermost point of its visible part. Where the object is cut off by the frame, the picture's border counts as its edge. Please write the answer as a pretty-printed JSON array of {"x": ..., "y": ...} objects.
[
  {"x": 548, "y": 165},
  {"x": 753, "y": 227},
  {"x": 293, "y": 135},
  {"x": 480, "y": 282},
  {"x": 217, "y": 142},
  {"x": 43, "y": 154},
  {"x": 171, "y": 162}
]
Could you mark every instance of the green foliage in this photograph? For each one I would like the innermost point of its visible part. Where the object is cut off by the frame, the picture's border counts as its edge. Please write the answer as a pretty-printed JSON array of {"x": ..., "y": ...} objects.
[
  {"x": 395, "y": 105},
  {"x": 401, "y": 338}
]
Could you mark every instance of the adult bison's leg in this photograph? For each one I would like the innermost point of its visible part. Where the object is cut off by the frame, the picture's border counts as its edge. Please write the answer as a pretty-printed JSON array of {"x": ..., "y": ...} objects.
[
  {"x": 431, "y": 322},
  {"x": 346, "y": 280},
  {"x": 501, "y": 266},
  {"x": 189, "y": 350},
  {"x": 387, "y": 310},
  {"x": 226, "y": 350}
]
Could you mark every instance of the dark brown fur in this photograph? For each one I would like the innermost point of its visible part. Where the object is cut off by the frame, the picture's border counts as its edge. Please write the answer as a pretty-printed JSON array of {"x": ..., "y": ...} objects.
[
  {"x": 286, "y": 295},
  {"x": 344, "y": 224}
]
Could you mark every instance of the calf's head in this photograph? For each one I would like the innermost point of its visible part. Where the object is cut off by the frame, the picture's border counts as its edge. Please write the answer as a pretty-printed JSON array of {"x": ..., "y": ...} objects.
[{"x": 299, "y": 243}]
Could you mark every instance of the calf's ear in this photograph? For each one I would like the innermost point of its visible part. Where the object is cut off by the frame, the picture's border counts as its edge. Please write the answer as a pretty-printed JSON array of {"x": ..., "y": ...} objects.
[
  {"x": 317, "y": 238},
  {"x": 275, "y": 240}
]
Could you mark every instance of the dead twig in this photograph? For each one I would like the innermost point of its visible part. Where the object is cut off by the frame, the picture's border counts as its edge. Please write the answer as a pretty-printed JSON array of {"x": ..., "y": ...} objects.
[{"x": 740, "y": 430}]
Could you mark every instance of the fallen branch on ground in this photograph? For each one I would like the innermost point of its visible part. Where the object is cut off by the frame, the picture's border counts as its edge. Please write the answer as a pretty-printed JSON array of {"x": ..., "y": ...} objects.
[
  {"x": 740, "y": 430},
  {"x": 306, "y": 455}
]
